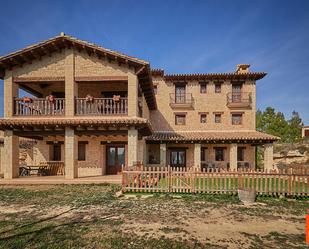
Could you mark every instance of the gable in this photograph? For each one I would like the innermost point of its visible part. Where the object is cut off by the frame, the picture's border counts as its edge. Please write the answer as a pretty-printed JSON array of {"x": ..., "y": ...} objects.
[{"x": 47, "y": 59}]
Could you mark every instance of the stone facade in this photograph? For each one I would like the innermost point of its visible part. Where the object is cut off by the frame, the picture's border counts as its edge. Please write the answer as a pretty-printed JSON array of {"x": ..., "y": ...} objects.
[
  {"x": 163, "y": 119},
  {"x": 58, "y": 72}
]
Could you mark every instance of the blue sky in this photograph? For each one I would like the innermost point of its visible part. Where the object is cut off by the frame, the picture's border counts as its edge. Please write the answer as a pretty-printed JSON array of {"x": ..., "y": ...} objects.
[{"x": 182, "y": 37}]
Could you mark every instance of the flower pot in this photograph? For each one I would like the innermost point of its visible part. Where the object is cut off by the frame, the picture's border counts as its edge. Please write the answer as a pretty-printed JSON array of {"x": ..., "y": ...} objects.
[{"x": 246, "y": 196}]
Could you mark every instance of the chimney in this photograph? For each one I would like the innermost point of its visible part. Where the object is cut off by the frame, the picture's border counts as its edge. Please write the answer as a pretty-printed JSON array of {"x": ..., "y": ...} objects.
[{"x": 242, "y": 68}]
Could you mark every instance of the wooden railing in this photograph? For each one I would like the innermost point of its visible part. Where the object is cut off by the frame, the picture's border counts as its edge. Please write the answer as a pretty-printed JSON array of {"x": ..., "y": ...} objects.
[
  {"x": 182, "y": 180},
  {"x": 39, "y": 107},
  {"x": 241, "y": 99},
  {"x": 101, "y": 106}
]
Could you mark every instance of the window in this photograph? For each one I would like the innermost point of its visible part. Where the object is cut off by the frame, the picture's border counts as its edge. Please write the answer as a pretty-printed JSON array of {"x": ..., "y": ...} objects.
[
  {"x": 217, "y": 118},
  {"x": 217, "y": 88},
  {"x": 236, "y": 119},
  {"x": 155, "y": 89},
  {"x": 219, "y": 153},
  {"x": 55, "y": 152},
  {"x": 203, "y": 118},
  {"x": 81, "y": 151},
  {"x": 180, "y": 119},
  {"x": 203, "y": 87},
  {"x": 240, "y": 153}
]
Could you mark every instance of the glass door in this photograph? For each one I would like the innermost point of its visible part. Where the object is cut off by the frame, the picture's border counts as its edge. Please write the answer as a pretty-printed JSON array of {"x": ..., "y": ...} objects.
[
  {"x": 178, "y": 158},
  {"x": 115, "y": 158},
  {"x": 236, "y": 92},
  {"x": 180, "y": 94}
]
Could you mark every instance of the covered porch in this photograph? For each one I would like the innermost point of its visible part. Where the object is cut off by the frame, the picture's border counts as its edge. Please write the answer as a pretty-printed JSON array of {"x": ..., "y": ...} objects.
[
  {"x": 78, "y": 147},
  {"x": 209, "y": 150}
]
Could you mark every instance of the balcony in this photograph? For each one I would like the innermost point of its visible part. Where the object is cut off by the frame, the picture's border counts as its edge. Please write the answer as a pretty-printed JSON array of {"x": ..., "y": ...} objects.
[
  {"x": 39, "y": 107},
  {"x": 181, "y": 101},
  {"x": 101, "y": 106},
  {"x": 241, "y": 100}
]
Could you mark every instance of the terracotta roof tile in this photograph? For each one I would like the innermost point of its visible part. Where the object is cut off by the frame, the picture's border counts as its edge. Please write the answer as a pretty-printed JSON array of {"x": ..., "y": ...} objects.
[{"x": 211, "y": 136}]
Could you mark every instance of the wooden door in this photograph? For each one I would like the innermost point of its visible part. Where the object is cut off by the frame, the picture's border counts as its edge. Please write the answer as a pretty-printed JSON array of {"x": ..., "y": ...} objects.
[{"x": 115, "y": 158}]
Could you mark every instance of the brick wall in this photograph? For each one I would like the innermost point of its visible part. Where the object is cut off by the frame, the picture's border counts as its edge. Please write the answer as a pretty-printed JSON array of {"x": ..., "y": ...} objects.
[{"x": 164, "y": 118}]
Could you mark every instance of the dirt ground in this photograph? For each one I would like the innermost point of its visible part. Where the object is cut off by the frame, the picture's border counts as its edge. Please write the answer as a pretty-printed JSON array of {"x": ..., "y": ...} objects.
[{"x": 90, "y": 216}]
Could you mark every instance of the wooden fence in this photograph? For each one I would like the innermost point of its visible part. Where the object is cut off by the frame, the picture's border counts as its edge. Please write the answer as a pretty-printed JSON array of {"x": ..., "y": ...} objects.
[{"x": 182, "y": 180}]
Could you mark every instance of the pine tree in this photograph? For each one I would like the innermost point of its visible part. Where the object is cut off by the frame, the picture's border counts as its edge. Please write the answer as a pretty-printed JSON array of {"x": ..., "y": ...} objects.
[{"x": 295, "y": 126}]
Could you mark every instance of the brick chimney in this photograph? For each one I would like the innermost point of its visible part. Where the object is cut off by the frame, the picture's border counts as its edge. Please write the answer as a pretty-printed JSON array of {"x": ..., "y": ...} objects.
[{"x": 242, "y": 68}]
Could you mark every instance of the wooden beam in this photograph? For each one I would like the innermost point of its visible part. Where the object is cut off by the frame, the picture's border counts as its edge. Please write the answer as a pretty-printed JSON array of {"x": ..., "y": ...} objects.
[
  {"x": 141, "y": 70},
  {"x": 33, "y": 79},
  {"x": 31, "y": 91},
  {"x": 100, "y": 78},
  {"x": 38, "y": 133}
]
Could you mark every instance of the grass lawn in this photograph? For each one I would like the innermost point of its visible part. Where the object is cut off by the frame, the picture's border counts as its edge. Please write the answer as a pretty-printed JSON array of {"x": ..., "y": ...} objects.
[
  {"x": 262, "y": 185},
  {"x": 89, "y": 216}
]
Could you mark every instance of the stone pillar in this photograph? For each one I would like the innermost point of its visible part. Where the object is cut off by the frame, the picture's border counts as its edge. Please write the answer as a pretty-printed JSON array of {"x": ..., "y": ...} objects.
[
  {"x": 132, "y": 146},
  {"x": 132, "y": 95},
  {"x": 233, "y": 157},
  {"x": 10, "y": 92},
  {"x": 268, "y": 156},
  {"x": 197, "y": 156},
  {"x": 70, "y": 154},
  {"x": 11, "y": 155},
  {"x": 142, "y": 151},
  {"x": 163, "y": 154},
  {"x": 70, "y": 85}
]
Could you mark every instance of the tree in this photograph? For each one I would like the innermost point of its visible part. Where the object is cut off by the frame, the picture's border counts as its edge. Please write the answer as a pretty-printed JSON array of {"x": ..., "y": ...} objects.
[
  {"x": 274, "y": 123},
  {"x": 295, "y": 126}
]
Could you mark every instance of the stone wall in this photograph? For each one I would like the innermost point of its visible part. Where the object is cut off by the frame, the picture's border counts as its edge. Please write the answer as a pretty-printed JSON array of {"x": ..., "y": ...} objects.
[{"x": 164, "y": 117}]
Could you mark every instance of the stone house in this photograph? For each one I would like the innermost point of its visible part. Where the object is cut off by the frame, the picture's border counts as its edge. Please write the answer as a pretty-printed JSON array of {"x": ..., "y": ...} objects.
[
  {"x": 96, "y": 110},
  {"x": 305, "y": 132}
]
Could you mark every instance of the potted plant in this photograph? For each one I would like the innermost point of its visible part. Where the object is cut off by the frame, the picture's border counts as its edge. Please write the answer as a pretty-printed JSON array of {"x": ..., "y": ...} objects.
[
  {"x": 27, "y": 100},
  {"x": 89, "y": 98},
  {"x": 50, "y": 98},
  {"x": 246, "y": 195},
  {"x": 116, "y": 98}
]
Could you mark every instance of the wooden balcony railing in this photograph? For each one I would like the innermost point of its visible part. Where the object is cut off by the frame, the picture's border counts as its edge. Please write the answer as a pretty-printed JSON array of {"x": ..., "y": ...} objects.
[
  {"x": 184, "y": 100},
  {"x": 39, "y": 107},
  {"x": 101, "y": 106},
  {"x": 239, "y": 100}
]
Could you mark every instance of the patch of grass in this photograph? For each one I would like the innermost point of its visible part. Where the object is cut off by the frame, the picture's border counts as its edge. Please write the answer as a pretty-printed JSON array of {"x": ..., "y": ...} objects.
[{"x": 72, "y": 195}]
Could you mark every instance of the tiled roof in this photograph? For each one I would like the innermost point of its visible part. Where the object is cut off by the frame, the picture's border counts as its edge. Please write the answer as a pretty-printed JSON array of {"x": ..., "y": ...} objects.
[
  {"x": 73, "y": 121},
  {"x": 72, "y": 39},
  {"x": 211, "y": 136},
  {"x": 216, "y": 76},
  {"x": 209, "y": 76}
]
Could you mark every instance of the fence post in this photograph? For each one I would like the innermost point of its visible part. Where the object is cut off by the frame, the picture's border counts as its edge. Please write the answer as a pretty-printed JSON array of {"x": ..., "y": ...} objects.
[
  {"x": 169, "y": 178},
  {"x": 123, "y": 180}
]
